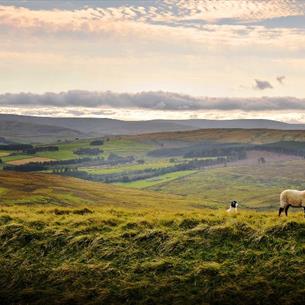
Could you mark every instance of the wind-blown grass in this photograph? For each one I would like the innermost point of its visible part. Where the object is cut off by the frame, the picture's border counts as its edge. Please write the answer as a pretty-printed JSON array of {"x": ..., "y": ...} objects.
[{"x": 113, "y": 256}]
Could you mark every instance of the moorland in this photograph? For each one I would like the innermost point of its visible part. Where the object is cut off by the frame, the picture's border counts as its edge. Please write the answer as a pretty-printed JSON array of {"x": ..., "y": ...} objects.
[{"x": 141, "y": 218}]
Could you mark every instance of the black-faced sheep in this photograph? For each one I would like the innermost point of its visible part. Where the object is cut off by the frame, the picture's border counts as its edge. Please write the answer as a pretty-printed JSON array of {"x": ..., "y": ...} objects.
[{"x": 233, "y": 205}]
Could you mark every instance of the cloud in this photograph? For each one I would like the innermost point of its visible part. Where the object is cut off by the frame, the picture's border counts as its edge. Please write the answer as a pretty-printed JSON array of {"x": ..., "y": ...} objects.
[
  {"x": 281, "y": 79},
  {"x": 168, "y": 11},
  {"x": 262, "y": 85},
  {"x": 165, "y": 101}
]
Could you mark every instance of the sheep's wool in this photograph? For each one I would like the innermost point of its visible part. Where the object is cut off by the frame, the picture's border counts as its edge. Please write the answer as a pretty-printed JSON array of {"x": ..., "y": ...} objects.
[{"x": 292, "y": 197}]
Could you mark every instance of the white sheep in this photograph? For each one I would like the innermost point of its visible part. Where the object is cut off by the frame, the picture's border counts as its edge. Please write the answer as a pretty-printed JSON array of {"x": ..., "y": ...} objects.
[{"x": 291, "y": 198}]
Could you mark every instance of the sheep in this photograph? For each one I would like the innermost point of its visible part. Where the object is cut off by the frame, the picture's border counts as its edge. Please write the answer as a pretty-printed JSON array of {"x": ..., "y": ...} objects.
[
  {"x": 233, "y": 205},
  {"x": 291, "y": 198}
]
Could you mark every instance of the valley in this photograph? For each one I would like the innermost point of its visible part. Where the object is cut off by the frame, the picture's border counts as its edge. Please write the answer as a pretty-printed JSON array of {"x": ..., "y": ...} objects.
[{"x": 118, "y": 218}]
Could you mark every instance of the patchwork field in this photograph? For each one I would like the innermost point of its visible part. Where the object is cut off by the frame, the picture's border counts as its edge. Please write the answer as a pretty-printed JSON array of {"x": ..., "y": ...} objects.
[
  {"x": 66, "y": 150},
  {"x": 163, "y": 163},
  {"x": 161, "y": 234}
]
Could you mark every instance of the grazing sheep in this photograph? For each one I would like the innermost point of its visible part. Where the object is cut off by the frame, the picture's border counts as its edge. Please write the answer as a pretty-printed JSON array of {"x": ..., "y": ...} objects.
[
  {"x": 291, "y": 198},
  {"x": 233, "y": 205}
]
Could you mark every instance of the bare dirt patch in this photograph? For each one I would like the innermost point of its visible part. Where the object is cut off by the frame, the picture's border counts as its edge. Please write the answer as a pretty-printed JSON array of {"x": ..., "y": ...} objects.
[{"x": 29, "y": 160}]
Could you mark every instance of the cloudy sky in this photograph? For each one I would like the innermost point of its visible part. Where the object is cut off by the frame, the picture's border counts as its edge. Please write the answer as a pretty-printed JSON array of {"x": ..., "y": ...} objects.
[{"x": 145, "y": 59}]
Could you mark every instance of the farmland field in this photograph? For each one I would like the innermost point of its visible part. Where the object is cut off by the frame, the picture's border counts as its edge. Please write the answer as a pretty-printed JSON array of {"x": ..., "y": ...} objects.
[
  {"x": 146, "y": 183},
  {"x": 169, "y": 169},
  {"x": 3, "y": 153},
  {"x": 252, "y": 185},
  {"x": 126, "y": 168}
]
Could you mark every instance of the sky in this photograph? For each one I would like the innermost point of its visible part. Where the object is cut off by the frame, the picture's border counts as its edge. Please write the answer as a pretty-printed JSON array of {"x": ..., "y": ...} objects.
[{"x": 148, "y": 59}]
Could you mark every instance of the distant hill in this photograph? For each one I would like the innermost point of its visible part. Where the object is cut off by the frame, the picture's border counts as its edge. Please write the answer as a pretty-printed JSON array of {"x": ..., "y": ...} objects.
[
  {"x": 33, "y": 132},
  {"x": 30, "y": 127},
  {"x": 224, "y": 135}
]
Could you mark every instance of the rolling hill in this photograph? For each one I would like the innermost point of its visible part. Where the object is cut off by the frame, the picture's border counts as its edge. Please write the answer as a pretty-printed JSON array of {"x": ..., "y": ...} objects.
[
  {"x": 235, "y": 135},
  {"x": 90, "y": 127},
  {"x": 51, "y": 190},
  {"x": 107, "y": 255},
  {"x": 33, "y": 132}
]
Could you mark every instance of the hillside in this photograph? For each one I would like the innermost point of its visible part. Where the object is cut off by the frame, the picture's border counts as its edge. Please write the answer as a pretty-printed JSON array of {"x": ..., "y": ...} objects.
[
  {"x": 253, "y": 186},
  {"x": 102, "y": 126},
  {"x": 33, "y": 132},
  {"x": 47, "y": 189},
  {"x": 109, "y": 256},
  {"x": 251, "y": 136}
]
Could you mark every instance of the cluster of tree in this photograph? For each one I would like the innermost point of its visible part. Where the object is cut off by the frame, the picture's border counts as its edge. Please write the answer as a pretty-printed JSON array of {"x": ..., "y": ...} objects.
[
  {"x": 17, "y": 147},
  {"x": 34, "y": 150},
  {"x": 116, "y": 158},
  {"x": 284, "y": 147},
  {"x": 206, "y": 149},
  {"x": 39, "y": 166},
  {"x": 29, "y": 167},
  {"x": 97, "y": 142},
  {"x": 67, "y": 165},
  {"x": 88, "y": 151}
]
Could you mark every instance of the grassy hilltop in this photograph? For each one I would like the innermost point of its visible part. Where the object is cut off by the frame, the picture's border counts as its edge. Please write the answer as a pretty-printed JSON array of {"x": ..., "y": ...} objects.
[
  {"x": 82, "y": 242},
  {"x": 116, "y": 256}
]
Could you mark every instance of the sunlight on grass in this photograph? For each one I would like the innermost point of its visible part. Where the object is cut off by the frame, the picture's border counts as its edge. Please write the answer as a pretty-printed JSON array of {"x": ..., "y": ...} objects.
[{"x": 158, "y": 180}]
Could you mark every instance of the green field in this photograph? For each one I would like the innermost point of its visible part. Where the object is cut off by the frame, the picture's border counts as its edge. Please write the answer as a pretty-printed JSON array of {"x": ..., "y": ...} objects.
[
  {"x": 163, "y": 240},
  {"x": 252, "y": 185},
  {"x": 146, "y": 183},
  {"x": 3, "y": 153},
  {"x": 126, "y": 168},
  {"x": 118, "y": 146}
]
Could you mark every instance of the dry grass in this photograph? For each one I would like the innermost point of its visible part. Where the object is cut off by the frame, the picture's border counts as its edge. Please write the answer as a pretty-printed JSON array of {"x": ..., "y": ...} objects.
[
  {"x": 116, "y": 256},
  {"x": 48, "y": 189},
  {"x": 253, "y": 136}
]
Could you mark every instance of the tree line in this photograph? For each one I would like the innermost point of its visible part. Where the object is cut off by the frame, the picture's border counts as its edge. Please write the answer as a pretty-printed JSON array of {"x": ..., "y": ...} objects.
[
  {"x": 130, "y": 176},
  {"x": 69, "y": 164}
]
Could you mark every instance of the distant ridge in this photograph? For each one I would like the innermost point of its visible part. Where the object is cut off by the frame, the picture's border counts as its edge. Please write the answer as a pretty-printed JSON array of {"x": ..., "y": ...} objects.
[{"x": 37, "y": 127}]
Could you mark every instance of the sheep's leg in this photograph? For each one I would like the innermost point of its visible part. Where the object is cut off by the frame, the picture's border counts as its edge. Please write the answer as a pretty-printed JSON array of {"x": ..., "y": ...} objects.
[
  {"x": 280, "y": 211},
  {"x": 286, "y": 209},
  {"x": 304, "y": 211}
]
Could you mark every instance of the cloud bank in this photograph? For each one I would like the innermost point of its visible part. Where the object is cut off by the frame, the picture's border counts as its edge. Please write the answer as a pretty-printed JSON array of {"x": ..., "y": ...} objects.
[{"x": 149, "y": 100}]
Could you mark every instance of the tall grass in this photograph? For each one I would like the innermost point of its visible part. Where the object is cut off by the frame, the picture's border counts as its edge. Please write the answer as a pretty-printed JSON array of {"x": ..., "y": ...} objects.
[{"x": 114, "y": 256}]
